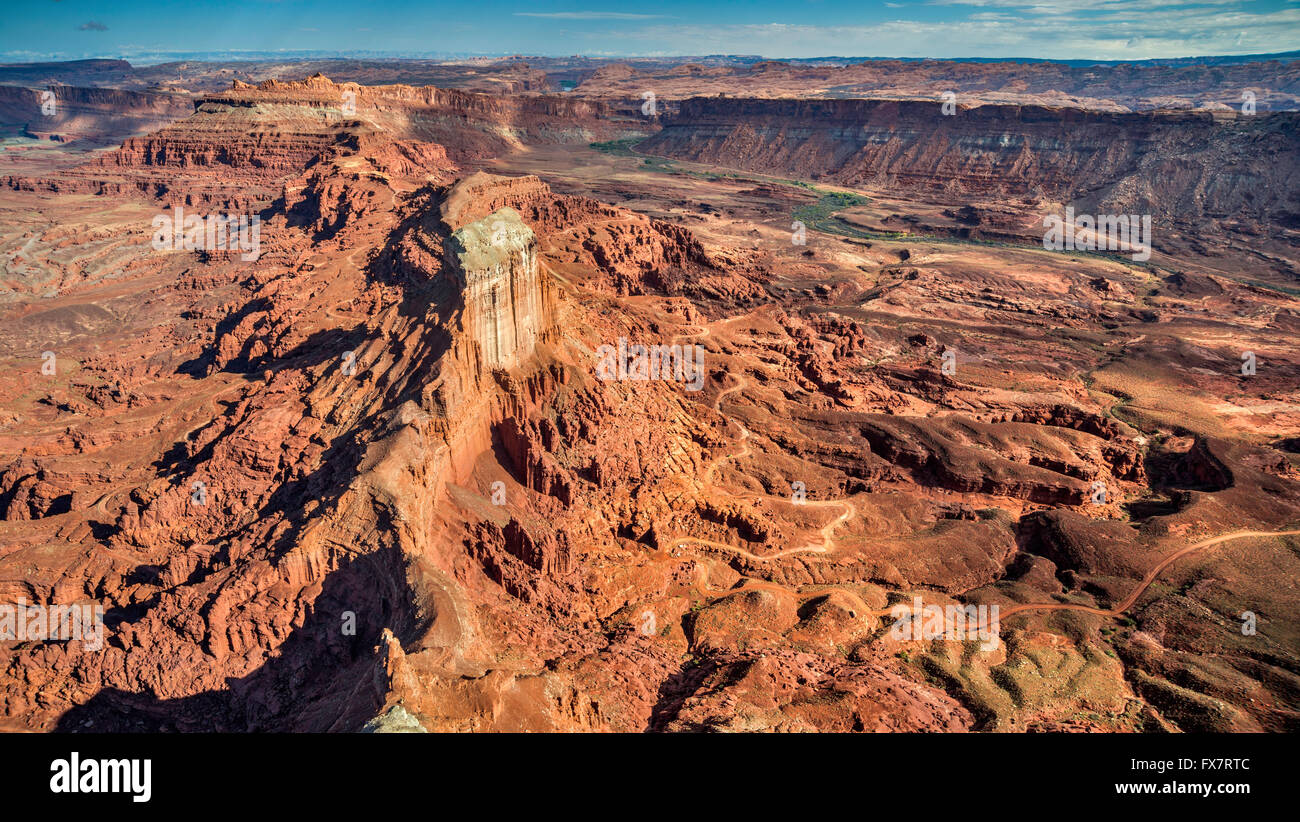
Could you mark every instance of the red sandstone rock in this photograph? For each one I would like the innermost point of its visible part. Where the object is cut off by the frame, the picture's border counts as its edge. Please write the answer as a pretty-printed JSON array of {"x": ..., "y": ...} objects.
[{"x": 376, "y": 467}]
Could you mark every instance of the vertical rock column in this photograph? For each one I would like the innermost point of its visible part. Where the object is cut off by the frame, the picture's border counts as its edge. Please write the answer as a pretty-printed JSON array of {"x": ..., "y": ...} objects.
[{"x": 496, "y": 261}]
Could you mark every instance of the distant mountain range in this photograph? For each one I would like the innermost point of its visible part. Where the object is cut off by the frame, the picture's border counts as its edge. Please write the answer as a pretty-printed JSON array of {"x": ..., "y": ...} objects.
[{"x": 153, "y": 58}]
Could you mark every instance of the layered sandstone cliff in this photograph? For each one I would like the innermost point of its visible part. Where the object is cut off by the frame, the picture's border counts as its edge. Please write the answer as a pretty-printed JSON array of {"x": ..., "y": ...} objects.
[
  {"x": 97, "y": 116},
  {"x": 239, "y": 146},
  {"x": 470, "y": 124},
  {"x": 420, "y": 501},
  {"x": 495, "y": 259},
  {"x": 1178, "y": 166}
]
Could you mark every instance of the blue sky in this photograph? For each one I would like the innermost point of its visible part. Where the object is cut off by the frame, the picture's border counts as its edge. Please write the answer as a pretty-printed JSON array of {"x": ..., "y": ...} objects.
[{"x": 1064, "y": 29}]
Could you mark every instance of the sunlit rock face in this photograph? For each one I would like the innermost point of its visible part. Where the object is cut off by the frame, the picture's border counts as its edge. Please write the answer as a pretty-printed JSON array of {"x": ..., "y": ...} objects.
[{"x": 496, "y": 261}]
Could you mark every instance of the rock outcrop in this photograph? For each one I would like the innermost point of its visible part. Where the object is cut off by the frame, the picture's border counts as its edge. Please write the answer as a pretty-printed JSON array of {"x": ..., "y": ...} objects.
[
  {"x": 240, "y": 145},
  {"x": 495, "y": 260}
]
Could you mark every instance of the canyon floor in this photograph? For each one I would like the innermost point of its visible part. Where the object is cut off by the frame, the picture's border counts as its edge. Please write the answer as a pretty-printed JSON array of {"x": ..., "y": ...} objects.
[{"x": 374, "y": 479}]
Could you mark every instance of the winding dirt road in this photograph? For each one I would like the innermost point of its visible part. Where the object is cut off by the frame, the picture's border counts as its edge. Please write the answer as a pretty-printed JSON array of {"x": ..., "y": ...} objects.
[
  {"x": 828, "y": 541},
  {"x": 1146, "y": 582}
]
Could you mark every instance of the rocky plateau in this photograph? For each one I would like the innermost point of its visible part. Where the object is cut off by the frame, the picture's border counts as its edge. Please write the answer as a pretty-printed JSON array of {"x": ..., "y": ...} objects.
[{"x": 372, "y": 477}]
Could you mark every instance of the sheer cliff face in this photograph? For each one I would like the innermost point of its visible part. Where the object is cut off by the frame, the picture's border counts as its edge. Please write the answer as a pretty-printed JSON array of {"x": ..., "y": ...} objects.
[
  {"x": 1177, "y": 166},
  {"x": 470, "y": 125},
  {"x": 96, "y": 115},
  {"x": 240, "y": 146},
  {"x": 495, "y": 259}
]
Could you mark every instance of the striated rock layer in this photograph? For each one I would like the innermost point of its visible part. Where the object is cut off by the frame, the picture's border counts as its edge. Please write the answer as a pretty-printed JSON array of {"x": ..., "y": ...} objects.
[
  {"x": 96, "y": 116},
  {"x": 495, "y": 260},
  {"x": 240, "y": 146},
  {"x": 1180, "y": 167}
]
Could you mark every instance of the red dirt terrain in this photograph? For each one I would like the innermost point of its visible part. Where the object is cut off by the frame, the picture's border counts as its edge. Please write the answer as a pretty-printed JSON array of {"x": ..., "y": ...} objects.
[{"x": 377, "y": 477}]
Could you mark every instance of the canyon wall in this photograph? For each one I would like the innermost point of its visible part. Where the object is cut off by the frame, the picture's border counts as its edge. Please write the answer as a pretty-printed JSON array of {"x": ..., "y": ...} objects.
[
  {"x": 470, "y": 124},
  {"x": 238, "y": 147},
  {"x": 1177, "y": 166},
  {"x": 97, "y": 115}
]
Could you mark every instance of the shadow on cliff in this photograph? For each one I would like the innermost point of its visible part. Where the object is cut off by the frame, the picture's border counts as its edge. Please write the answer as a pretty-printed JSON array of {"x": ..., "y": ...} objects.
[
  {"x": 673, "y": 693},
  {"x": 321, "y": 346},
  {"x": 289, "y": 502},
  {"x": 340, "y": 463},
  {"x": 330, "y": 344},
  {"x": 319, "y": 679}
]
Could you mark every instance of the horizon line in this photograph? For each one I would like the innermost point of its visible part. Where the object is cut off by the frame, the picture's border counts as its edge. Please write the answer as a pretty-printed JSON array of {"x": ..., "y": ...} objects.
[{"x": 254, "y": 55}]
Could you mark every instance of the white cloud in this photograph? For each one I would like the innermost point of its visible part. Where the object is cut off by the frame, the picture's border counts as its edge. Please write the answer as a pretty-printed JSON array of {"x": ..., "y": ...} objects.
[{"x": 1115, "y": 35}]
